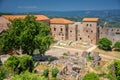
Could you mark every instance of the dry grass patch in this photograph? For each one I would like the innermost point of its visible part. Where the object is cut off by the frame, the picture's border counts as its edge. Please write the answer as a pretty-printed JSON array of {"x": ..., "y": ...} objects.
[
  {"x": 41, "y": 67},
  {"x": 102, "y": 65},
  {"x": 109, "y": 53}
]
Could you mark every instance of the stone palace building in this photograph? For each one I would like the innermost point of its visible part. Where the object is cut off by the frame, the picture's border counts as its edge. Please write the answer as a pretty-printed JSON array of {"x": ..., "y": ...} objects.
[{"x": 88, "y": 30}]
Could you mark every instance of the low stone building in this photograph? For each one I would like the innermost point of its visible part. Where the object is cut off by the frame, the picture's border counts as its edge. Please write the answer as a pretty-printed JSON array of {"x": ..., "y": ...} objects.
[{"x": 59, "y": 28}]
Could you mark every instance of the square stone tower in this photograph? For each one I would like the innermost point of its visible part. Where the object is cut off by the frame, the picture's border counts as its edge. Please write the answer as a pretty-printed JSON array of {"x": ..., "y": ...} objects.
[{"x": 90, "y": 29}]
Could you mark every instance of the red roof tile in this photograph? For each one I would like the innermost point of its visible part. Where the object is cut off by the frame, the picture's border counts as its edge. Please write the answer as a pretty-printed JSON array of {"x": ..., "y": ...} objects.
[
  {"x": 60, "y": 21},
  {"x": 90, "y": 19},
  {"x": 39, "y": 17}
]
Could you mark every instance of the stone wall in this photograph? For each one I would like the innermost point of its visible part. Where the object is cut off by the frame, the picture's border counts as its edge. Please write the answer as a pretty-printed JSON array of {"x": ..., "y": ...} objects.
[
  {"x": 112, "y": 34},
  {"x": 84, "y": 31},
  {"x": 59, "y": 31}
]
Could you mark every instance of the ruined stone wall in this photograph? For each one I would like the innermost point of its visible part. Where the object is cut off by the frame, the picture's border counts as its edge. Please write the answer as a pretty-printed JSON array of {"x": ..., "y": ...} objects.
[{"x": 112, "y": 34}]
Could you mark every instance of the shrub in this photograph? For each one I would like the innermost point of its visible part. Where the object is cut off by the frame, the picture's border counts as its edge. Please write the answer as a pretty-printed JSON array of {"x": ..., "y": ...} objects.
[
  {"x": 19, "y": 64},
  {"x": 28, "y": 76},
  {"x": 91, "y": 76},
  {"x": 12, "y": 62},
  {"x": 104, "y": 44},
  {"x": 55, "y": 72},
  {"x": 3, "y": 72},
  {"x": 65, "y": 54},
  {"x": 46, "y": 72},
  {"x": 89, "y": 58},
  {"x": 26, "y": 63},
  {"x": 117, "y": 69},
  {"x": 117, "y": 46}
]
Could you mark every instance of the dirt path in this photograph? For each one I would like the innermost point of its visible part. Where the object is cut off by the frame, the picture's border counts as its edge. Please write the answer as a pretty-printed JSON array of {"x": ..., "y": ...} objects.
[{"x": 92, "y": 48}]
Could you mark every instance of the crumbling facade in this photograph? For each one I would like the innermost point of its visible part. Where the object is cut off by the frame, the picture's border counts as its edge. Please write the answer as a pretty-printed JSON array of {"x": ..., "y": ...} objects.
[{"x": 112, "y": 34}]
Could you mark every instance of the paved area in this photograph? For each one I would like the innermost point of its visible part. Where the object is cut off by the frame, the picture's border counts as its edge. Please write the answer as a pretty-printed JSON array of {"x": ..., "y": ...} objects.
[
  {"x": 60, "y": 50},
  {"x": 69, "y": 49}
]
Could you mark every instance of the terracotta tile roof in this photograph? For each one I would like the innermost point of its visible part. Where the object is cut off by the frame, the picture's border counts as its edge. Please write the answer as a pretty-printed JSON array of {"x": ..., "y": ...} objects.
[
  {"x": 39, "y": 17},
  {"x": 90, "y": 19},
  {"x": 60, "y": 21},
  {"x": 11, "y": 17}
]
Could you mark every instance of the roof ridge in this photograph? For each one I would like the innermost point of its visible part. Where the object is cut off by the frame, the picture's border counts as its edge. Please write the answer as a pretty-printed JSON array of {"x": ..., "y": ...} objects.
[{"x": 39, "y": 17}]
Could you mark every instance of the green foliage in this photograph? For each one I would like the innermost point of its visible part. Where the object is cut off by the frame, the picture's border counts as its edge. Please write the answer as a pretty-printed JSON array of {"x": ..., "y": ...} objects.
[
  {"x": 0, "y": 62},
  {"x": 102, "y": 74},
  {"x": 55, "y": 72},
  {"x": 104, "y": 44},
  {"x": 46, "y": 72},
  {"x": 65, "y": 54},
  {"x": 28, "y": 76},
  {"x": 111, "y": 75},
  {"x": 12, "y": 63},
  {"x": 117, "y": 69},
  {"x": 26, "y": 63},
  {"x": 26, "y": 34},
  {"x": 20, "y": 64},
  {"x": 54, "y": 78},
  {"x": 3, "y": 72},
  {"x": 91, "y": 76},
  {"x": 117, "y": 46},
  {"x": 89, "y": 58}
]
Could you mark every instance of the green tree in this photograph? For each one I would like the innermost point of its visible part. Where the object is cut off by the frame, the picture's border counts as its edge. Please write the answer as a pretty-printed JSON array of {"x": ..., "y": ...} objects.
[
  {"x": 26, "y": 34},
  {"x": 91, "y": 76},
  {"x": 104, "y": 44},
  {"x": 117, "y": 46}
]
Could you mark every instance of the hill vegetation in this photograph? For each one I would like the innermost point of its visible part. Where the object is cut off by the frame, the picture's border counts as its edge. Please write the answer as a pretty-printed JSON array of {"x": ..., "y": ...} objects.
[{"x": 110, "y": 16}]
